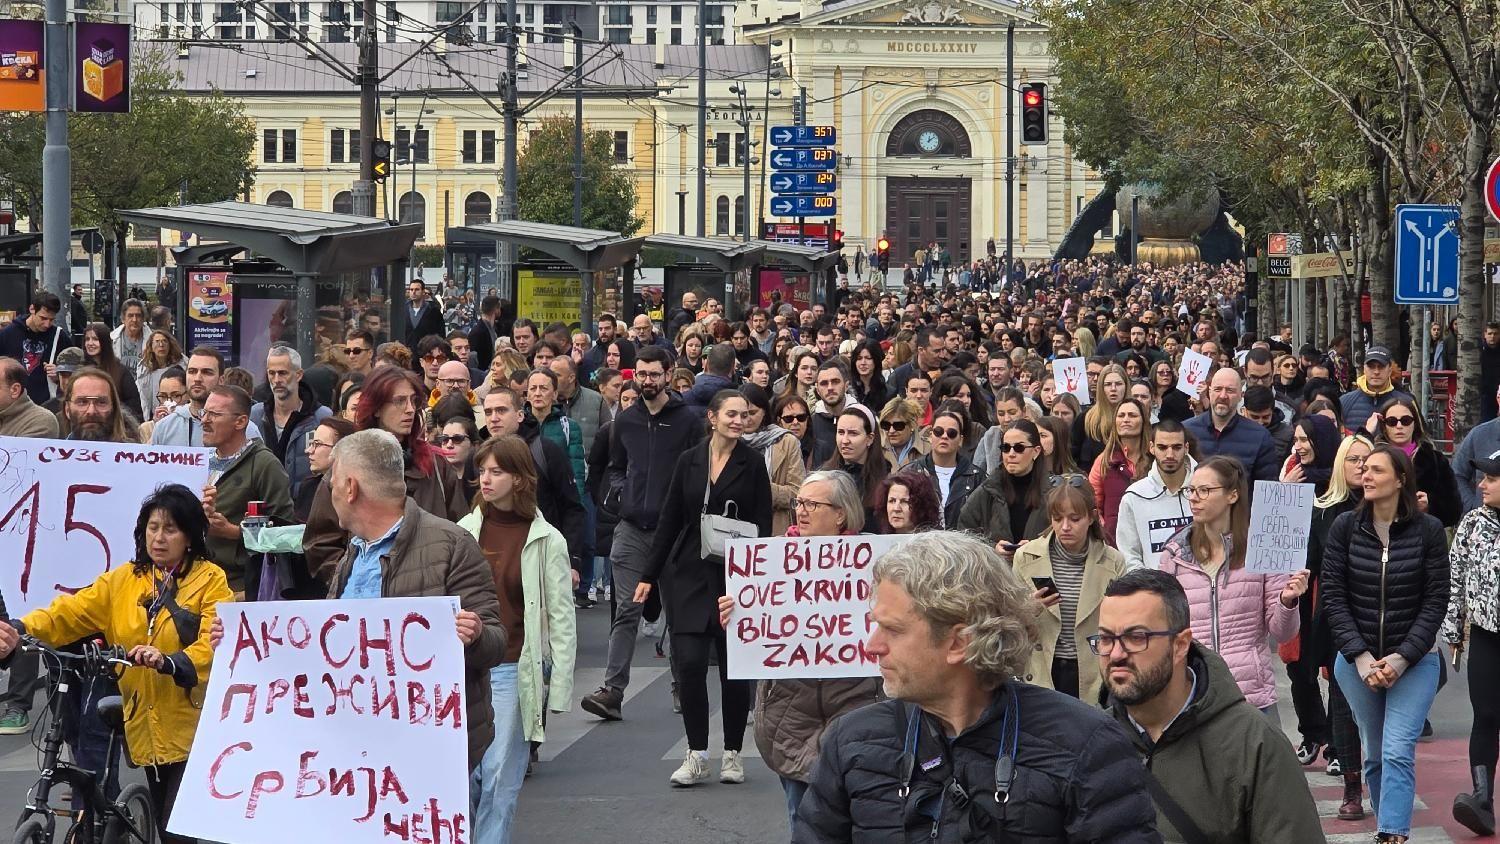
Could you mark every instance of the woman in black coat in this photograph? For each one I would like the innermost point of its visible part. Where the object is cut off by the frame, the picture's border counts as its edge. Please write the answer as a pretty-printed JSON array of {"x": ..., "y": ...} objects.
[
  {"x": 734, "y": 478},
  {"x": 1399, "y": 424}
]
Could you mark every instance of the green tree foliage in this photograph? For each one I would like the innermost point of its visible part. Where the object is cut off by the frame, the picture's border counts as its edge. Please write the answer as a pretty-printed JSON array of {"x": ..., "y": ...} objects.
[
  {"x": 544, "y": 180},
  {"x": 169, "y": 143}
]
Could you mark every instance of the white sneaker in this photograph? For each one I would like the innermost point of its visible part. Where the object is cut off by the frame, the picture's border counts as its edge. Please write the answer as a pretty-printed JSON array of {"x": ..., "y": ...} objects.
[
  {"x": 694, "y": 770},
  {"x": 732, "y": 769}
]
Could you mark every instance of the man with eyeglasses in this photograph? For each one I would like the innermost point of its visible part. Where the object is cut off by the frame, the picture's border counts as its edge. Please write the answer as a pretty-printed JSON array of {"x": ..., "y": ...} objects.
[
  {"x": 359, "y": 350},
  {"x": 129, "y": 337},
  {"x": 1217, "y": 769},
  {"x": 643, "y": 439},
  {"x": 1371, "y": 389},
  {"x": 424, "y": 318},
  {"x": 429, "y": 356},
  {"x": 182, "y": 426},
  {"x": 1260, "y": 372},
  {"x": 241, "y": 470},
  {"x": 293, "y": 413}
]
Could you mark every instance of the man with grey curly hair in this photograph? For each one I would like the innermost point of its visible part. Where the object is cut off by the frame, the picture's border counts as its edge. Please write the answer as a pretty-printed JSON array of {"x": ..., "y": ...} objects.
[{"x": 964, "y": 751}]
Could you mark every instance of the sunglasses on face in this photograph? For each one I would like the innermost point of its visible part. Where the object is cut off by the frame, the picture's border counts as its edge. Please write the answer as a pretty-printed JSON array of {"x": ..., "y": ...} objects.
[
  {"x": 1071, "y": 479},
  {"x": 893, "y": 425},
  {"x": 795, "y": 417},
  {"x": 1014, "y": 448},
  {"x": 453, "y": 439},
  {"x": 945, "y": 433},
  {"x": 1393, "y": 421}
]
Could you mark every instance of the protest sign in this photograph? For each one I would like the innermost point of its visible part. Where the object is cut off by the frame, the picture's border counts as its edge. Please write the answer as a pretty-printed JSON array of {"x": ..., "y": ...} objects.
[
  {"x": 340, "y": 720},
  {"x": 1071, "y": 375},
  {"x": 68, "y": 510},
  {"x": 1192, "y": 371},
  {"x": 1280, "y": 516},
  {"x": 802, "y": 605}
]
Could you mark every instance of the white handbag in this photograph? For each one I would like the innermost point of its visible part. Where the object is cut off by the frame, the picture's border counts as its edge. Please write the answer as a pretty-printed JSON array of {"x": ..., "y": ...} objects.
[{"x": 714, "y": 531}]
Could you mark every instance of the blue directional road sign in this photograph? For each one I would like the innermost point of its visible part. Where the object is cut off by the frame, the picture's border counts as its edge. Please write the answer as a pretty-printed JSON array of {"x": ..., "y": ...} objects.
[
  {"x": 1427, "y": 254},
  {"x": 804, "y": 159},
  {"x": 803, "y": 136},
  {"x": 804, "y": 206},
  {"x": 804, "y": 183}
]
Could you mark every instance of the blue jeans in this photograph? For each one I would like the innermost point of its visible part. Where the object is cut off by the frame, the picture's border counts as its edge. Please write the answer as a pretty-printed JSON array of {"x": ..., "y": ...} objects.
[
  {"x": 795, "y": 790},
  {"x": 1390, "y": 721},
  {"x": 495, "y": 785},
  {"x": 586, "y": 553}
]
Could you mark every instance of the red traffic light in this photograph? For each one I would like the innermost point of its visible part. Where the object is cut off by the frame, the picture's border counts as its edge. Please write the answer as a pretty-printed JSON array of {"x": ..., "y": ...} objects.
[
  {"x": 1033, "y": 97},
  {"x": 882, "y": 244}
]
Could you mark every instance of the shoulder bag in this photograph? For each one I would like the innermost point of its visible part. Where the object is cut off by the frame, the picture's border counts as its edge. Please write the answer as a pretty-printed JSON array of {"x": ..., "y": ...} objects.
[{"x": 714, "y": 531}]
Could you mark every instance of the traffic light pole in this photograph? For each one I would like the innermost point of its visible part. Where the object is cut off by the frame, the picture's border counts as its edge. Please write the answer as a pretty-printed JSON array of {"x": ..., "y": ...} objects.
[
  {"x": 702, "y": 118},
  {"x": 369, "y": 113},
  {"x": 57, "y": 164},
  {"x": 1010, "y": 151},
  {"x": 505, "y": 265}
]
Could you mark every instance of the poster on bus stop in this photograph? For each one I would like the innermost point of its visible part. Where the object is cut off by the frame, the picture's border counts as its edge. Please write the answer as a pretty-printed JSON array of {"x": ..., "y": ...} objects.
[
  {"x": 802, "y": 605},
  {"x": 337, "y": 721}
]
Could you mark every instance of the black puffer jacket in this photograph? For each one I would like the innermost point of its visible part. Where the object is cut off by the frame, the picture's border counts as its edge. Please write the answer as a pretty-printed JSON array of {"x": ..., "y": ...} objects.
[
  {"x": 1077, "y": 778},
  {"x": 1391, "y": 607}
]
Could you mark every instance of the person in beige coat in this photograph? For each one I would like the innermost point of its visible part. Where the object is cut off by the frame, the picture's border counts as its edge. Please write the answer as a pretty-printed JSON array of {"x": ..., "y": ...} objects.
[
  {"x": 1069, "y": 565},
  {"x": 19, "y": 415},
  {"x": 783, "y": 455}
]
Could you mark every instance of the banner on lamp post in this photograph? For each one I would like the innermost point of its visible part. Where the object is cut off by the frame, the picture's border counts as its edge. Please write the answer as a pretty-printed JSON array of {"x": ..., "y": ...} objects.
[
  {"x": 23, "y": 84},
  {"x": 101, "y": 67}
]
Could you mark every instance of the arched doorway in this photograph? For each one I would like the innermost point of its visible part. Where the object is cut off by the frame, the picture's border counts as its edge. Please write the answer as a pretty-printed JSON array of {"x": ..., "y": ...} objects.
[
  {"x": 343, "y": 202},
  {"x": 279, "y": 199},
  {"x": 412, "y": 208},
  {"x": 477, "y": 209},
  {"x": 921, "y": 210}
]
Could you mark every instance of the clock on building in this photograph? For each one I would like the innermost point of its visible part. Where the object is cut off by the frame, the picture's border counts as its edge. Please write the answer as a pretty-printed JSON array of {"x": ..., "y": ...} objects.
[{"x": 928, "y": 141}]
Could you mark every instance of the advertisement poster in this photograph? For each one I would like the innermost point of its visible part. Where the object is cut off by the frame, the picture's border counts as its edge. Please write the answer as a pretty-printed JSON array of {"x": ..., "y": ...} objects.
[
  {"x": 101, "y": 67},
  {"x": 777, "y": 287},
  {"x": 22, "y": 71},
  {"x": 210, "y": 305},
  {"x": 548, "y": 298}
]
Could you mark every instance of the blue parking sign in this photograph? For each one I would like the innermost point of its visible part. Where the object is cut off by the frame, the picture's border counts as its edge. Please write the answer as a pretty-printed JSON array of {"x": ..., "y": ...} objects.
[{"x": 1427, "y": 254}]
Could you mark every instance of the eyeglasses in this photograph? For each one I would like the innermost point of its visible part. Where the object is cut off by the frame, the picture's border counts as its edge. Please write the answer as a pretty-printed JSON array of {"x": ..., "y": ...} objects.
[
  {"x": 453, "y": 439},
  {"x": 1393, "y": 421},
  {"x": 355, "y": 350},
  {"x": 945, "y": 433},
  {"x": 163, "y": 398},
  {"x": 795, "y": 417},
  {"x": 1071, "y": 479},
  {"x": 313, "y": 445},
  {"x": 810, "y": 504},
  {"x": 1014, "y": 448},
  {"x": 454, "y": 382},
  {"x": 215, "y": 414},
  {"x": 435, "y": 357},
  {"x": 893, "y": 425},
  {"x": 91, "y": 401},
  {"x": 1133, "y": 641},
  {"x": 1200, "y": 491}
]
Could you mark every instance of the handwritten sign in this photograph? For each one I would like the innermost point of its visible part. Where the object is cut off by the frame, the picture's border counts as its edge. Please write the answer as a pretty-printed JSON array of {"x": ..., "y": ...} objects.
[
  {"x": 1280, "y": 516},
  {"x": 341, "y": 717},
  {"x": 1072, "y": 376},
  {"x": 1192, "y": 372},
  {"x": 802, "y": 605},
  {"x": 68, "y": 510}
]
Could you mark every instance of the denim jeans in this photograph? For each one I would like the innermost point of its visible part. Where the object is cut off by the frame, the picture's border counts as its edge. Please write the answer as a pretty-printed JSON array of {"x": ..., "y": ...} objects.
[
  {"x": 795, "y": 790},
  {"x": 1390, "y": 720},
  {"x": 495, "y": 785},
  {"x": 586, "y": 552}
]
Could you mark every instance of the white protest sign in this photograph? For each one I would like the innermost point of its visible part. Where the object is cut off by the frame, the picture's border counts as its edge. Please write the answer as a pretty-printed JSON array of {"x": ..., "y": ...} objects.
[
  {"x": 68, "y": 510},
  {"x": 1192, "y": 371},
  {"x": 340, "y": 720},
  {"x": 1280, "y": 516},
  {"x": 802, "y": 605},
  {"x": 1071, "y": 375}
]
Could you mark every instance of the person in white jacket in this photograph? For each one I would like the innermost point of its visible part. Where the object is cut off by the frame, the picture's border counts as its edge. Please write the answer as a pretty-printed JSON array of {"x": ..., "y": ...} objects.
[{"x": 1156, "y": 506}]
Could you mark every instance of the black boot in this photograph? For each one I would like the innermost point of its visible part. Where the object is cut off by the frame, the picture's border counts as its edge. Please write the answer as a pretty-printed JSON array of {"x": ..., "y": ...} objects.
[{"x": 1477, "y": 810}]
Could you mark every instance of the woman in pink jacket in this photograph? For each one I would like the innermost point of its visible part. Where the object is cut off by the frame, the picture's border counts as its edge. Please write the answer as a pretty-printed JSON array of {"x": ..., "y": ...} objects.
[{"x": 1234, "y": 611}]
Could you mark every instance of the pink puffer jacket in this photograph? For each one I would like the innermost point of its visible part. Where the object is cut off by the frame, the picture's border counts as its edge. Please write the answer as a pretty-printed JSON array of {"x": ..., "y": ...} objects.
[{"x": 1234, "y": 615}]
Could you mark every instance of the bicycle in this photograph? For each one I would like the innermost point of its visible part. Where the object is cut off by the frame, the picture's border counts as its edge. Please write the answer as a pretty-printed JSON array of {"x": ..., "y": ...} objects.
[{"x": 128, "y": 819}]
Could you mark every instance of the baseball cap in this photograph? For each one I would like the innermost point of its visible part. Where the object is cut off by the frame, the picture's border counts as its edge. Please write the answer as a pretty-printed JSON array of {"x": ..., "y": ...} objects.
[
  {"x": 1488, "y": 465},
  {"x": 1378, "y": 354},
  {"x": 69, "y": 359}
]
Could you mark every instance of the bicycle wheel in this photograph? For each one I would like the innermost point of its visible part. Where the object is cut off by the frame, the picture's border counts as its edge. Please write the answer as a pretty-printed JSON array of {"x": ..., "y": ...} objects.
[
  {"x": 33, "y": 831},
  {"x": 133, "y": 818}
]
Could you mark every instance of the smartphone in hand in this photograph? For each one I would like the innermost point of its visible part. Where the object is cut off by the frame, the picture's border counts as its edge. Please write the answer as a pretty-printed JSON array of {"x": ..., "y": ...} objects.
[{"x": 1044, "y": 584}]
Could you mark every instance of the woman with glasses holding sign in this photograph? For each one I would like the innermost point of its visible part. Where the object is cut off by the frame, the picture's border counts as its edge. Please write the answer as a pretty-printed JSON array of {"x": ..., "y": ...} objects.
[
  {"x": 1385, "y": 594},
  {"x": 1234, "y": 611},
  {"x": 718, "y": 489},
  {"x": 1398, "y": 423}
]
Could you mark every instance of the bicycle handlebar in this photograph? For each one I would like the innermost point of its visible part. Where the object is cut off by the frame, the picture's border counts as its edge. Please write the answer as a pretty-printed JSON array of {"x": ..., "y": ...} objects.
[{"x": 96, "y": 655}]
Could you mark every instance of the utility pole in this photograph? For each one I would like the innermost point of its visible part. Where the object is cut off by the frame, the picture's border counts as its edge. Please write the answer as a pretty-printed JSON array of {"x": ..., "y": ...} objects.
[
  {"x": 742, "y": 90},
  {"x": 57, "y": 164},
  {"x": 765, "y": 144},
  {"x": 505, "y": 266},
  {"x": 1010, "y": 151},
  {"x": 369, "y": 112},
  {"x": 578, "y": 136},
  {"x": 702, "y": 117}
]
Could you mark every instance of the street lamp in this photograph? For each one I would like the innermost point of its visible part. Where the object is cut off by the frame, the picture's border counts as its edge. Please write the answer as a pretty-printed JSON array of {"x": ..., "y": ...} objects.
[{"x": 765, "y": 128}]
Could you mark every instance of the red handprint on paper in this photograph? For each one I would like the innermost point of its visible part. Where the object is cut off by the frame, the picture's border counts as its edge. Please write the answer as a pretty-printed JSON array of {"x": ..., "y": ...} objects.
[{"x": 1194, "y": 373}]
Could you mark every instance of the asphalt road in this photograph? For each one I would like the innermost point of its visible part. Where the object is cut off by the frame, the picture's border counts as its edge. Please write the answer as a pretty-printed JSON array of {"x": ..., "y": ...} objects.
[{"x": 607, "y": 782}]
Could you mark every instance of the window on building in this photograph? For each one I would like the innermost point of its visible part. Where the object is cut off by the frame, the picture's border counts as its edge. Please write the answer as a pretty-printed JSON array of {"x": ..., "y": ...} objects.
[
  {"x": 279, "y": 199},
  {"x": 343, "y": 202},
  {"x": 721, "y": 216},
  {"x": 555, "y": 19},
  {"x": 392, "y": 20},
  {"x": 404, "y": 151},
  {"x": 279, "y": 146},
  {"x": 713, "y": 25},
  {"x": 477, "y": 207},
  {"x": 721, "y": 150},
  {"x": 739, "y": 215},
  {"x": 413, "y": 209},
  {"x": 471, "y": 146},
  {"x": 487, "y": 146},
  {"x": 676, "y": 37},
  {"x": 449, "y": 12},
  {"x": 739, "y": 149},
  {"x": 651, "y": 35},
  {"x": 651, "y": 15},
  {"x": 676, "y": 34},
  {"x": 622, "y": 147},
  {"x": 283, "y": 15},
  {"x": 343, "y": 146}
]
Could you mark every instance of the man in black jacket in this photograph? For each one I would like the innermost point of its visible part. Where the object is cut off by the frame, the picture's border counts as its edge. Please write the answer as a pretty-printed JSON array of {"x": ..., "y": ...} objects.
[
  {"x": 961, "y": 751},
  {"x": 482, "y": 335},
  {"x": 35, "y": 339},
  {"x": 557, "y": 491},
  {"x": 646, "y": 440},
  {"x": 423, "y": 317}
]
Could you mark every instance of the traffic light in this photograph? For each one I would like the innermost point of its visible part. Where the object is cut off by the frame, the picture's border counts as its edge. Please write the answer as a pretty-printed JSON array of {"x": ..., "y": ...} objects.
[
  {"x": 837, "y": 244},
  {"x": 380, "y": 155},
  {"x": 1034, "y": 113},
  {"x": 883, "y": 253}
]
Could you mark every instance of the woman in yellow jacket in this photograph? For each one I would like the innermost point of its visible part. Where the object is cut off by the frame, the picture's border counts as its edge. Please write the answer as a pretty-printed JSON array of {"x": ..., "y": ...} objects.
[
  {"x": 1069, "y": 566},
  {"x": 159, "y": 607}
]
